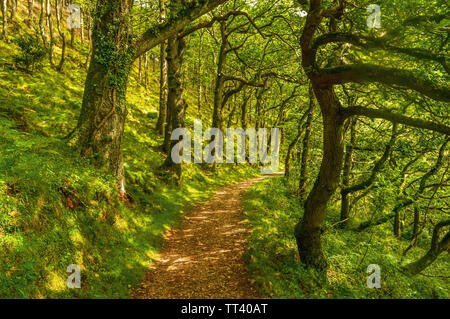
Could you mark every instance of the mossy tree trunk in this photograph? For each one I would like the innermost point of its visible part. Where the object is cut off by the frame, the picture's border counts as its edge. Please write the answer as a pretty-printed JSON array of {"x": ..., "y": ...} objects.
[
  {"x": 100, "y": 127},
  {"x": 175, "y": 100},
  {"x": 308, "y": 230}
]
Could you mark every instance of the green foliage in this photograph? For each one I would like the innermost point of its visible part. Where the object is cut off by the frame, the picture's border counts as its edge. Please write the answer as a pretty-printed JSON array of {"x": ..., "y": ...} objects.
[
  {"x": 31, "y": 52},
  {"x": 56, "y": 209},
  {"x": 274, "y": 265}
]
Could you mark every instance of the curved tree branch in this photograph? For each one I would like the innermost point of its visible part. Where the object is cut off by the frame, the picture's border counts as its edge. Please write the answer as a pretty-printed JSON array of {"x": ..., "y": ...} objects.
[
  {"x": 395, "y": 118},
  {"x": 361, "y": 73},
  {"x": 378, "y": 44},
  {"x": 161, "y": 32}
]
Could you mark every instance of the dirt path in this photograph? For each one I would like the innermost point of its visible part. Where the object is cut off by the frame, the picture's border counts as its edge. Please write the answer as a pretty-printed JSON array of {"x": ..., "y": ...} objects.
[{"x": 203, "y": 259}]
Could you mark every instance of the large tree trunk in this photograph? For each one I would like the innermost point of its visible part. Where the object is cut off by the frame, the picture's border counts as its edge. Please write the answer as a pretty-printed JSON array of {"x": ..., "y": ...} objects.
[
  {"x": 308, "y": 230},
  {"x": 175, "y": 100},
  {"x": 99, "y": 132},
  {"x": 217, "y": 121}
]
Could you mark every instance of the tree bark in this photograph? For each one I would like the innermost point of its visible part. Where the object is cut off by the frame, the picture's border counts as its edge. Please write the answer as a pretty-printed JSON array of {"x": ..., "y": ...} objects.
[
  {"x": 99, "y": 132},
  {"x": 30, "y": 4},
  {"x": 162, "y": 117},
  {"x": 217, "y": 121},
  {"x": 48, "y": 13},
  {"x": 41, "y": 23},
  {"x": 345, "y": 203},
  {"x": 175, "y": 100},
  {"x": 4, "y": 4},
  {"x": 305, "y": 147},
  {"x": 13, "y": 9},
  {"x": 59, "y": 15},
  {"x": 100, "y": 127},
  {"x": 291, "y": 146},
  {"x": 308, "y": 230}
]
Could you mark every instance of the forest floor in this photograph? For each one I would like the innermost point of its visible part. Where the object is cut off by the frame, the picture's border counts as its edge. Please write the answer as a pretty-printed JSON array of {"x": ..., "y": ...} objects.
[{"x": 204, "y": 257}]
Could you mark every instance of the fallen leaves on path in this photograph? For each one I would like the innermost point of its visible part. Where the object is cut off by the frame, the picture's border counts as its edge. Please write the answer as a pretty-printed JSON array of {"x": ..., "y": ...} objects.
[{"x": 203, "y": 259}]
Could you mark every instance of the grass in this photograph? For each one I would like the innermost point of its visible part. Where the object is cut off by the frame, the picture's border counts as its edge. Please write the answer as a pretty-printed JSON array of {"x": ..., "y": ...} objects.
[
  {"x": 274, "y": 263},
  {"x": 56, "y": 209}
]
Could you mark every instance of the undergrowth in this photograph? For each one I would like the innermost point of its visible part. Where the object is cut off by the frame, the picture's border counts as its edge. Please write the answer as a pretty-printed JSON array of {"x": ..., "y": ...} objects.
[
  {"x": 56, "y": 209},
  {"x": 273, "y": 211}
]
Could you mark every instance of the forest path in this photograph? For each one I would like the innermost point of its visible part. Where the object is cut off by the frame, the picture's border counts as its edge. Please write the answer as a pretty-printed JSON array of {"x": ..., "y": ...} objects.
[{"x": 203, "y": 258}]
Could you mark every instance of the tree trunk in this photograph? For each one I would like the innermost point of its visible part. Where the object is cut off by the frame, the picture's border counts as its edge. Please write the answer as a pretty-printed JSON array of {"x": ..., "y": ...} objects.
[
  {"x": 72, "y": 37},
  {"x": 397, "y": 225},
  {"x": 41, "y": 23},
  {"x": 146, "y": 70},
  {"x": 217, "y": 121},
  {"x": 30, "y": 12},
  {"x": 82, "y": 25},
  {"x": 162, "y": 117},
  {"x": 308, "y": 230},
  {"x": 48, "y": 13},
  {"x": 244, "y": 110},
  {"x": 59, "y": 16},
  {"x": 199, "y": 73},
  {"x": 346, "y": 173},
  {"x": 305, "y": 148},
  {"x": 4, "y": 4},
  {"x": 290, "y": 148},
  {"x": 175, "y": 100},
  {"x": 99, "y": 132},
  {"x": 13, "y": 9}
]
